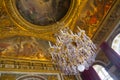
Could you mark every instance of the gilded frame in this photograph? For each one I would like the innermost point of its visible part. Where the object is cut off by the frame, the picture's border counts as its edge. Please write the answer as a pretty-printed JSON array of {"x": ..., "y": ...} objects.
[
  {"x": 21, "y": 27},
  {"x": 25, "y": 25}
]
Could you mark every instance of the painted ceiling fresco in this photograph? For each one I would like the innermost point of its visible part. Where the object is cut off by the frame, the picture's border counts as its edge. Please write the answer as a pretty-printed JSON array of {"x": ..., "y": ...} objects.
[
  {"x": 23, "y": 47},
  {"x": 93, "y": 14},
  {"x": 39, "y": 12},
  {"x": 42, "y": 12}
]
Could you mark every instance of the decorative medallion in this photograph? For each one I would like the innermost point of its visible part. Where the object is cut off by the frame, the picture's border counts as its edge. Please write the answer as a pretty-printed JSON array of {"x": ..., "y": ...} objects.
[{"x": 42, "y": 16}]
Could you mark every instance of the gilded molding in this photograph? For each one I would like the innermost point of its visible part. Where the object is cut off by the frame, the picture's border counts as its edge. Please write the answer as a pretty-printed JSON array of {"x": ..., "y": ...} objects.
[
  {"x": 25, "y": 28},
  {"x": 26, "y": 65}
]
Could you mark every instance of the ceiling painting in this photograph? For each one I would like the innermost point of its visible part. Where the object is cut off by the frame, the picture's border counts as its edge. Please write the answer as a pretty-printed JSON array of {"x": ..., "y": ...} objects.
[
  {"x": 93, "y": 14},
  {"x": 23, "y": 47},
  {"x": 41, "y": 17},
  {"x": 42, "y": 12}
]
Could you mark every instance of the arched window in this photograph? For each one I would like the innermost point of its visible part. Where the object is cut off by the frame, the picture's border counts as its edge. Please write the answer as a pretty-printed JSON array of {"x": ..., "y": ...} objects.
[
  {"x": 116, "y": 44},
  {"x": 103, "y": 74}
]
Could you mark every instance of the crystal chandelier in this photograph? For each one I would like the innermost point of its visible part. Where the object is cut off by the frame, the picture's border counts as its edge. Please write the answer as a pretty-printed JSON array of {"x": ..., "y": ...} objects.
[{"x": 73, "y": 52}]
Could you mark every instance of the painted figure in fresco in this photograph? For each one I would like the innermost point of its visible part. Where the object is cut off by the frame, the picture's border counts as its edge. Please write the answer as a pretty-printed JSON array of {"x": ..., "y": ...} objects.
[
  {"x": 91, "y": 15},
  {"x": 3, "y": 46},
  {"x": 42, "y": 12},
  {"x": 21, "y": 47}
]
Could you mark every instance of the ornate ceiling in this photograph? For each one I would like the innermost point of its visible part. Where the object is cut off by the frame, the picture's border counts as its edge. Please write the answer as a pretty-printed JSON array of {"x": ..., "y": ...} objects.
[
  {"x": 27, "y": 25},
  {"x": 42, "y": 12}
]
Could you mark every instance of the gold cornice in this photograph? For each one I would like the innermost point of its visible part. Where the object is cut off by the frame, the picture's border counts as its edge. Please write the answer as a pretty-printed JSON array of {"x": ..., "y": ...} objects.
[{"x": 26, "y": 65}]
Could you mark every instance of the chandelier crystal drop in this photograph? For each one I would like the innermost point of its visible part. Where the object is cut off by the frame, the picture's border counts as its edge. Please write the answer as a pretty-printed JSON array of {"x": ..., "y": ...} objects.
[{"x": 73, "y": 52}]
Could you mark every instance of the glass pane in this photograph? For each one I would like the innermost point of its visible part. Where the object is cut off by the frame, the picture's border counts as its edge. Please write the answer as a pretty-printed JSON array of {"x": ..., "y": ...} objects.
[
  {"x": 104, "y": 71},
  {"x": 116, "y": 44},
  {"x": 103, "y": 74}
]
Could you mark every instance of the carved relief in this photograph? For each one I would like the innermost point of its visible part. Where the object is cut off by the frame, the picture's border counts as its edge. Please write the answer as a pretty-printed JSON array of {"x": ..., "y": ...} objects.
[
  {"x": 22, "y": 76},
  {"x": 33, "y": 77},
  {"x": 71, "y": 77}
]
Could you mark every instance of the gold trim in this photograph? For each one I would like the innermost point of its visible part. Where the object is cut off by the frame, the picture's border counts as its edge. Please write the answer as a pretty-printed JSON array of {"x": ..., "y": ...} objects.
[
  {"x": 27, "y": 26},
  {"x": 25, "y": 65}
]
